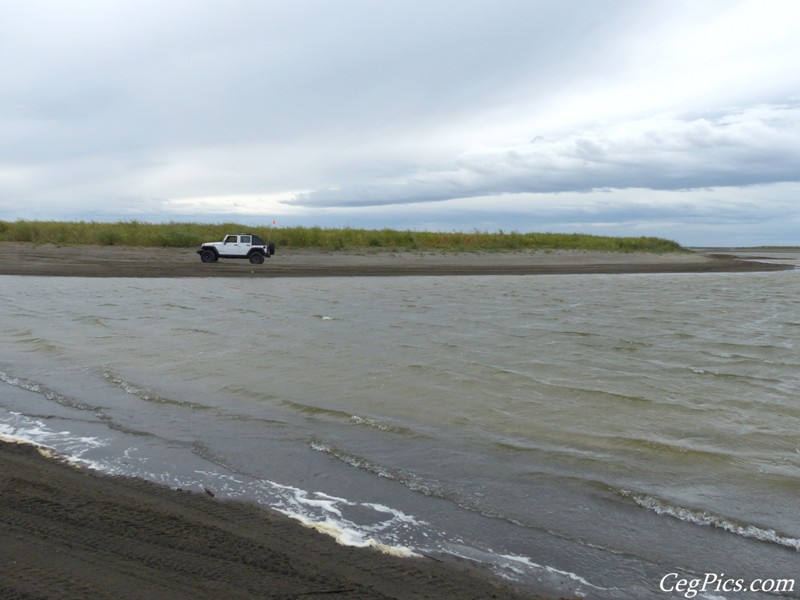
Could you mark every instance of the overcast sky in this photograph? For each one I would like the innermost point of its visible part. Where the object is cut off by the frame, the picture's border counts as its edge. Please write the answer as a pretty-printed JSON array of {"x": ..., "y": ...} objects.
[{"x": 678, "y": 119}]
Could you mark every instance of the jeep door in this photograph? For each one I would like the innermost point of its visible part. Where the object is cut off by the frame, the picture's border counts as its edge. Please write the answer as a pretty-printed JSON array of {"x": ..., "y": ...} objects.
[{"x": 239, "y": 247}]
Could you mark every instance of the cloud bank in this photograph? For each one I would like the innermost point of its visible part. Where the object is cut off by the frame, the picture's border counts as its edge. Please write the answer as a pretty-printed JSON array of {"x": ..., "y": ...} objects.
[
  {"x": 754, "y": 146},
  {"x": 679, "y": 119}
]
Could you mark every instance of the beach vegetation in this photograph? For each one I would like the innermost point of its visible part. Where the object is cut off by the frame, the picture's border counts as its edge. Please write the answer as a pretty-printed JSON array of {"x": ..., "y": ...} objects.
[{"x": 187, "y": 235}]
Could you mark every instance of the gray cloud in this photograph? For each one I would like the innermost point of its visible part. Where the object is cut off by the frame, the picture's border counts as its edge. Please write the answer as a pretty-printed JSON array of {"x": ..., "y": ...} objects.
[
  {"x": 319, "y": 109},
  {"x": 746, "y": 147}
]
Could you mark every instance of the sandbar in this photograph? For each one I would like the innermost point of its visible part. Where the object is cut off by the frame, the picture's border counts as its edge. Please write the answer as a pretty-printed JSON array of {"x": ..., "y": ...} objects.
[{"x": 117, "y": 261}]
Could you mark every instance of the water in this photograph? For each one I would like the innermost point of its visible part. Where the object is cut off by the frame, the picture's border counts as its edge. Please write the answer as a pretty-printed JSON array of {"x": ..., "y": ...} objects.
[{"x": 584, "y": 435}]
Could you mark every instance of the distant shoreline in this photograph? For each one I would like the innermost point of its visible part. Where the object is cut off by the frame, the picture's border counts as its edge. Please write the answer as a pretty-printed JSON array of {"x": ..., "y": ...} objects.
[{"x": 18, "y": 258}]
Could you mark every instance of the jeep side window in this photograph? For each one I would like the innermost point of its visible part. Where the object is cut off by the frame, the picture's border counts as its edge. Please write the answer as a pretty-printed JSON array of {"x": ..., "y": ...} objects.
[
  {"x": 245, "y": 239},
  {"x": 231, "y": 239}
]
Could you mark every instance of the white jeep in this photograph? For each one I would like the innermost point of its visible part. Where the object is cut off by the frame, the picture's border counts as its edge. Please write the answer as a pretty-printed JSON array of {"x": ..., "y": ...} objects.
[{"x": 244, "y": 245}]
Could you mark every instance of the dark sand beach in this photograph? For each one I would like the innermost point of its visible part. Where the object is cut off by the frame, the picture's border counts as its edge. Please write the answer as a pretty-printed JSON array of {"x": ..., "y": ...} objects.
[
  {"x": 116, "y": 261},
  {"x": 69, "y": 534}
]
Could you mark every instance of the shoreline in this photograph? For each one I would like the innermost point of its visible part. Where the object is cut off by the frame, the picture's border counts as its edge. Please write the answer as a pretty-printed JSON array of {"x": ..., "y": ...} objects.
[
  {"x": 71, "y": 534},
  {"x": 118, "y": 261}
]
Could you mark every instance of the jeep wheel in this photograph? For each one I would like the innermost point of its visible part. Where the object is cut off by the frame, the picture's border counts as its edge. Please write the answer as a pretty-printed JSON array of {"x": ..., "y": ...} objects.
[
  {"x": 208, "y": 256},
  {"x": 256, "y": 258}
]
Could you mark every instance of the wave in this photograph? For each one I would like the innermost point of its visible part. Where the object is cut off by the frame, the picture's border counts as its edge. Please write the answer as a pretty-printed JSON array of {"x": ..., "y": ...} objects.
[
  {"x": 512, "y": 567},
  {"x": 411, "y": 481},
  {"x": 179, "y": 306},
  {"x": 18, "y": 428},
  {"x": 203, "y": 451},
  {"x": 707, "y": 518},
  {"x": 47, "y": 393},
  {"x": 380, "y": 426},
  {"x": 424, "y": 485},
  {"x": 341, "y": 415},
  {"x": 515, "y": 562},
  {"x": 768, "y": 382},
  {"x": 727, "y": 359},
  {"x": 612, "y": 396},
  {"x": 554, "y": 450},
  {"x": 147, "y": 394},
  {"x": 92, "y": 320},
  {"x": 36, "y": 344},
  {"x": 97, "y": 412},
  {"x": 315, "y": 411},
  {"x": 194, "y": 330},
  {"x": 673, "y": 450},
  {"x": 351, "y": 523}
]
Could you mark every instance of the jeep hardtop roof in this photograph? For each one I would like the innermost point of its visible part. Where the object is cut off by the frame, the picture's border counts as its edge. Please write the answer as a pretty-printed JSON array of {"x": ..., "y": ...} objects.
[{"x": 255, "y": 240}]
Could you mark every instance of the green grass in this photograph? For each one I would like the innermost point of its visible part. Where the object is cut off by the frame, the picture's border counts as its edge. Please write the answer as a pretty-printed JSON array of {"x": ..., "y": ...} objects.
[{"x": 186, "y": 235}]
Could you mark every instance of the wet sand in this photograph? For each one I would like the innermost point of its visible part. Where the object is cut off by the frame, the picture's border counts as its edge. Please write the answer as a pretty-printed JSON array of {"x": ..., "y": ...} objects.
[
  {"x": 67, "y": 534},
  {"x": 115, "y": 261}
]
